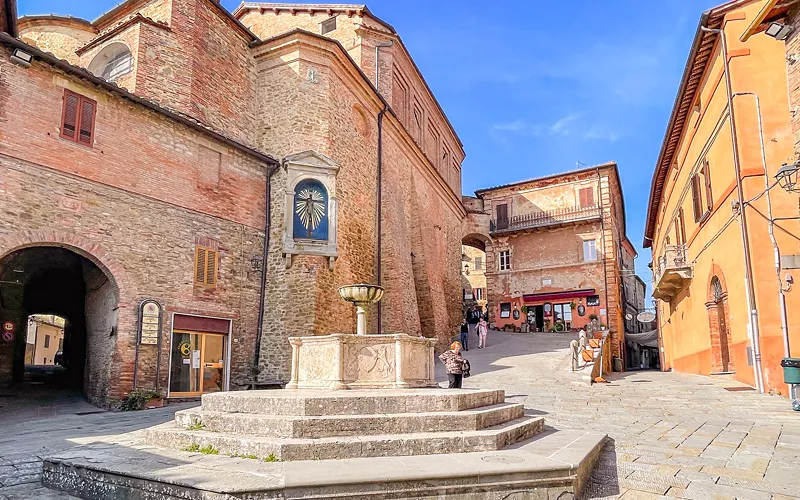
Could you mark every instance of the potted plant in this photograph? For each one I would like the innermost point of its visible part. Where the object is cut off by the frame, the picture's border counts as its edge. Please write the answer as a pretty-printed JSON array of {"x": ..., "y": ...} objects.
[{"x": 139, "y": 399}]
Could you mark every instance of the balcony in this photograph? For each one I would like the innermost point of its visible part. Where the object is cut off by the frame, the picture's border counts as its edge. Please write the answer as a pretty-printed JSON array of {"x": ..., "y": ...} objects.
[
  {"x": 545, "y": 219},
  {"x": 671, "y": 272}
]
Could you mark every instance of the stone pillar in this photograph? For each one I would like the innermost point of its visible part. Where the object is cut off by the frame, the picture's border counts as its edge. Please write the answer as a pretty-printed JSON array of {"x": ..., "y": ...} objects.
[
  {"x": 339, "y": 382},
  {"x": 400, "y": 383},
  {"x": 295, "y": 342}
]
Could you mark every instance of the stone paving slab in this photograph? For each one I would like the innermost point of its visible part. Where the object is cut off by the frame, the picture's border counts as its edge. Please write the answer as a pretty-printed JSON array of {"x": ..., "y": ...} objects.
[{"x": 556, "y": 462}]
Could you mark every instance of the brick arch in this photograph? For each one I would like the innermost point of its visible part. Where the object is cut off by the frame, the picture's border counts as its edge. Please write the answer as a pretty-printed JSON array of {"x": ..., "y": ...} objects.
[
  {"x": 719, "y": 322},
  {"x": 95, "y": 253}
]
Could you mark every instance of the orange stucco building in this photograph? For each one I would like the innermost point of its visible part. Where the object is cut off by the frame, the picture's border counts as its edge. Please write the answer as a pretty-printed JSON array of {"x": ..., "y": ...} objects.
[{"x": 714, "y": 156}]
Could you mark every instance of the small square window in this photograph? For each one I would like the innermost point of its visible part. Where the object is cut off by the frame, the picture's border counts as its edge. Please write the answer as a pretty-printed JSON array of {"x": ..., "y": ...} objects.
[
  {"x": 328, "y": 25},
  {"x": 589, "y": 251}
]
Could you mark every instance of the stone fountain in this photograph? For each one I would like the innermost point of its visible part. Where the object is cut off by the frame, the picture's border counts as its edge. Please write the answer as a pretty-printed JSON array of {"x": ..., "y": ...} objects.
[{"x": 362, "y": 361}]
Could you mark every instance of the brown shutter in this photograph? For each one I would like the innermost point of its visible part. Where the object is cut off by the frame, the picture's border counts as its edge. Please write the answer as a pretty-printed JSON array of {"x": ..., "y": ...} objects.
[
  {"x": 681, "y": 227},
  {"x": 86, "y": 127},
  {"x": 707, "y": 176},
  {"x": 696, "y": 201},
  {"x": 586, "y": 197},
  {"x": 200, "y": 265},
  {"x": 502, "y": 216},
  {"x": 211, "y": 268},
  {"x": 69, "y": 115}
]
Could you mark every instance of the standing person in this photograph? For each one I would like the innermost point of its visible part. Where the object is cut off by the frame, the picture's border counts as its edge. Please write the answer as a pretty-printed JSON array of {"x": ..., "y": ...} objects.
[
  {"x": 454, "y": 364},
  {"x": 472, "y": 318},
  {"x": 465, "y": 334},
  {"x": 482, "y": 328}
]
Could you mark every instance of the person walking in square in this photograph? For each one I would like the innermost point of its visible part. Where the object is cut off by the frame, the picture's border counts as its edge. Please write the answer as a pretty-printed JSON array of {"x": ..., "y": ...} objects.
[
  {"x": 465, "y": 334},
  {"x": 454, "y": 365},
  {"x": 482, "y": 330}
]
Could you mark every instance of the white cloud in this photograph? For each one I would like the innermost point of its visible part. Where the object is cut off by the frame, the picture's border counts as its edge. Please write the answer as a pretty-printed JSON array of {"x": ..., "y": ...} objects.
[{"x": 571, "y": 125}]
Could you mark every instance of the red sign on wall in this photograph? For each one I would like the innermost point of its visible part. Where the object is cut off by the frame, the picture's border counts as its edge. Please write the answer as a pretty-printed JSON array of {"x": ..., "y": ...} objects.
[
  {"x": 8, "y": 326},
  {"x": 8, "y": 336}
]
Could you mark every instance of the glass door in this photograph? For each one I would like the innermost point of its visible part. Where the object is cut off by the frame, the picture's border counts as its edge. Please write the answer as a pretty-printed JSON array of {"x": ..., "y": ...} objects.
[{"x": 198, "y": 363}]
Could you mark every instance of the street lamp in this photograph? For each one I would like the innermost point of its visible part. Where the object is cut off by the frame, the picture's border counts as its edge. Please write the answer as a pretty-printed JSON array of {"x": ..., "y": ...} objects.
[{"x": 787, "y": 177}]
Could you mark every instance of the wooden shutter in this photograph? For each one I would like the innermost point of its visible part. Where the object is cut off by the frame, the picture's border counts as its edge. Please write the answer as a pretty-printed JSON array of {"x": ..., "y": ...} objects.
[
  {"x": 211, "y": 268},
  {"x": 586, "y": 197},
  {"x": 69, "y": 115},
  {"x": 502, "y": 216},
  {"x": 205, "y": 266},
  {"x": 680, "y": 228},
  {"x": 77, "y": 118},
  {"x": 86, "y": 128},
  {"x": 697, "y": 203},
  {"x": 707, "y": 177}
]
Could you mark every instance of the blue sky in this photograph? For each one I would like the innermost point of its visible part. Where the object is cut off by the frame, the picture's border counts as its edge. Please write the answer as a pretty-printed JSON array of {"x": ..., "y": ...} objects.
[{"x": 535, "y": 91}]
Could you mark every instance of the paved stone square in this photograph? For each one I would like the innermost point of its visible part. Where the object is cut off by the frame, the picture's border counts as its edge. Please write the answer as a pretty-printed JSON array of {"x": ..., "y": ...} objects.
[{"x": 672, "y": 435}]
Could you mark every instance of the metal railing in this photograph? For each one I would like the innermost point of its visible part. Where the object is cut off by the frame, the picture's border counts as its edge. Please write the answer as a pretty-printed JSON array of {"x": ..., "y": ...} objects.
[
  {"x": 674, "y": 257},
  {"x": 545, "y": 218}
]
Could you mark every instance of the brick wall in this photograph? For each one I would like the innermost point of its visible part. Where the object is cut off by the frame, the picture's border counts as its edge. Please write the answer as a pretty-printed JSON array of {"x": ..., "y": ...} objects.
[{"x": 140, "y": 198}]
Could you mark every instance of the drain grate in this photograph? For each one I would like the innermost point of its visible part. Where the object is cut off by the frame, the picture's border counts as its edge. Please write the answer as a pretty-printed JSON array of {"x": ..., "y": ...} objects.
[{"x": 737, "y": 389}]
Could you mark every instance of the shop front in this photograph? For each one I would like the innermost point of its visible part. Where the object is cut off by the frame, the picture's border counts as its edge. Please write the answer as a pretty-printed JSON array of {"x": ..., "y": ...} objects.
[
  {"x": 554, "y": 311},
  {"x": 199, "y": 355}
]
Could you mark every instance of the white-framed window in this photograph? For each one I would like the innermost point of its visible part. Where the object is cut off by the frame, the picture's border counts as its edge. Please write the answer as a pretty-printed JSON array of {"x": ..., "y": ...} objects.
[
  {"x": 589, "y": 250},
  {"x": 478, "y": 263},
  {"x": 505, "y": 260},
  {"x": 479, "y": 294}
]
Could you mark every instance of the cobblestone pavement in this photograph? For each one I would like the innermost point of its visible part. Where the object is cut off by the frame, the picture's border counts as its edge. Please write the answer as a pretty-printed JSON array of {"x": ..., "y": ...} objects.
[
  {"x": 34, "y": 427},
  {"x": 672, "y": 435}
]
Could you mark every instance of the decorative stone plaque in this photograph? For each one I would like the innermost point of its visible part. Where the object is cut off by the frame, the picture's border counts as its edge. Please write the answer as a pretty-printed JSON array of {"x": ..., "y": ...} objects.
[{"x": 149, "y": 322}]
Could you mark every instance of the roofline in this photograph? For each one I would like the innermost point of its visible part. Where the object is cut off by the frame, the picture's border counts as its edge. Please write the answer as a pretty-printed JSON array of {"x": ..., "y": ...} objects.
[
  {"x": 110, "y": 87},
  {"x": 613, "y": 164},
  {"x": 24, "y": 20},
  {"x": 660, "y": 173},
  {"x": 365, "y": 10},
  {"x": 11, "y": 17},
  {"x": 357, "y": 9},
  {"x": 427, "y": 87},
  {"x": 109, "y": 33},
  {"x": 115, "y": 10},
  {"x": 771, "y": 11}
]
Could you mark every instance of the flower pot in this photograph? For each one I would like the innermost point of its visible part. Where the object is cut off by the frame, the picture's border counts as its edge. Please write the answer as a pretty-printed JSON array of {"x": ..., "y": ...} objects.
[{"x": 155, "y": 403}]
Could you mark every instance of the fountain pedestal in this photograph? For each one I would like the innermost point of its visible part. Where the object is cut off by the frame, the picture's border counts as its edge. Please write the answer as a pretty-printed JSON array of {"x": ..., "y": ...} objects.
[{"x": 346, "y": 361}]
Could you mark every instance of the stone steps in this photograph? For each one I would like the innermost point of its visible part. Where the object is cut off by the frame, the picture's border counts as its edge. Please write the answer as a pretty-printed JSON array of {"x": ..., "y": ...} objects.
[
  {"x": 492, "y": 438},
  {"x": 314, "y": 427},
  {"x": 308, "y": 402}
]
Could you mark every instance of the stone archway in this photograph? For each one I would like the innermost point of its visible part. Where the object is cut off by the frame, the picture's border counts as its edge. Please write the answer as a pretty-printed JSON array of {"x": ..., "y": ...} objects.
[
  {"x": 718, "y": 322},
  {"x": 55, "y": 272}
]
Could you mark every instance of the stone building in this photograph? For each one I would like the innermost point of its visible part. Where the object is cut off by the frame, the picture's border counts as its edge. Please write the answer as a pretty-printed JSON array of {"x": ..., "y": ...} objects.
[
  {"x": 713, "y": 193},
  {"x": 159, "y": 131},
  {"x": 554, "y": 248},
  {"x": 473, "y": 279}
]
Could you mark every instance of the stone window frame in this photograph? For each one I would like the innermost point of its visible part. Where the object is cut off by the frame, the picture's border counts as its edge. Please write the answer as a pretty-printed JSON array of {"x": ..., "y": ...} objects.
[
  {"x": 315, "y": 166},
  {"x": 500, "y": 265}
]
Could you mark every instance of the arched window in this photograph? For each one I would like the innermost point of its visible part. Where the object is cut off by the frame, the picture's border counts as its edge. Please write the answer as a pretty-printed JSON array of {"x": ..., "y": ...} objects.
[
  {"x": 716, "y": 289},
  {"x": 310, "y": 211},
  {"x": 113, "y": 62}
]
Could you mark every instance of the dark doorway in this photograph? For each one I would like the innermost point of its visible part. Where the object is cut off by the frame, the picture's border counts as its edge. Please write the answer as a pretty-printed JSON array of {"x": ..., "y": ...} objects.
[
  {"x": 539, "y": 318},
  {"x": 41, "y": 282}
]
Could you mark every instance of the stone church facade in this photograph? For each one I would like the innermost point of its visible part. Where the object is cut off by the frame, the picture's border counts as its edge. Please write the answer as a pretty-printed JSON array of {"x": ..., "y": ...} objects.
[{"x": 155, "y": 151}]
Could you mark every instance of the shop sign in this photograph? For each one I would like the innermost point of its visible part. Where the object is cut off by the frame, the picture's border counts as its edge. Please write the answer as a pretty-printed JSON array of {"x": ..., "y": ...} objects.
[
  {"x": 149, "y": 322},
  {"x": 581, "y": 310}
]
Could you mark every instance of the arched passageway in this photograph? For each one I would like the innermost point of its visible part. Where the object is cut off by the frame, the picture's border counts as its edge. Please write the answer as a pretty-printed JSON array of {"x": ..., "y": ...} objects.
[{"x": 49, "y": 282}]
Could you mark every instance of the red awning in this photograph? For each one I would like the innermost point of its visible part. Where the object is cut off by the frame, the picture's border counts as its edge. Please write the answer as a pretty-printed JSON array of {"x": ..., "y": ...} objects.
[{"x": 548, "y": 297}]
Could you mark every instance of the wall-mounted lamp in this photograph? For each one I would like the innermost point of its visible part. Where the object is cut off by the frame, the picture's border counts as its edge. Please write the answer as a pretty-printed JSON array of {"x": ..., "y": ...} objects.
[
  {"x": 779, "y": 31},
  {"x": 787, "y": 177},
  {"x": 22, "y": 58}
]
